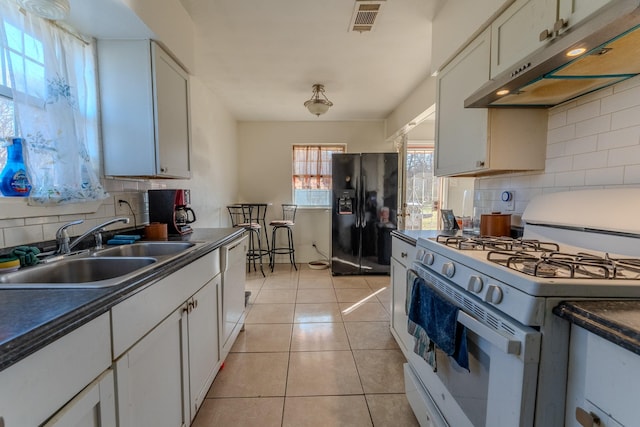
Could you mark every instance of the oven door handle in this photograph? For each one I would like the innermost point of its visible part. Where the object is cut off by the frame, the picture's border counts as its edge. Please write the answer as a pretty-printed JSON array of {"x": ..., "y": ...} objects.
[{"x": 505, "y": 344}]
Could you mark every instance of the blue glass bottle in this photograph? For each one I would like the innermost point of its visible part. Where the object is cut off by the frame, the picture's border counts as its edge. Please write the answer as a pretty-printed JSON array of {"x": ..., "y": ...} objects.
[{"x": 14, "y": 181}]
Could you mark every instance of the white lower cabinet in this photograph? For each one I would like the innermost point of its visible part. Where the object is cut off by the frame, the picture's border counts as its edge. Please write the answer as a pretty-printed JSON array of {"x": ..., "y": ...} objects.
[
  {"x": 162, "y": 378},
  {"x": 603, "y": 382},
  {"x": 51, "y": 384},
  {"x": 402, "y": 254},
  {"x": 204, "y": 359},
  {"x": 151, "y": 377},
  {"x": 95, "y": 406}
]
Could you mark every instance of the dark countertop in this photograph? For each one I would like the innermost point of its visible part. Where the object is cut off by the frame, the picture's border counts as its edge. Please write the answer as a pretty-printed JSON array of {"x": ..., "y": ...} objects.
[
  {"x": 32, "y": 318},
  {"x": 412, "y": 236},
  {"x": 615, "y": 320}
]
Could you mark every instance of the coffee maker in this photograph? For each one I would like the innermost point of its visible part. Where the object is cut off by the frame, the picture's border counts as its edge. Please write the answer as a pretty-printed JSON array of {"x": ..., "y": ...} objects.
[{"x": 171, "y": 207}]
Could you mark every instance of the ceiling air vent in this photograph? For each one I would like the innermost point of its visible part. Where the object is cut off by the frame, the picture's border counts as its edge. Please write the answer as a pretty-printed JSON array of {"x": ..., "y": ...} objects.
[{"x": 365, "y": 14}]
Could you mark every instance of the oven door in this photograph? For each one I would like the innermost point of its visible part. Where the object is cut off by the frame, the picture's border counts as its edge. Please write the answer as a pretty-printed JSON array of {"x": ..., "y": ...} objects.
[{"x": 500, "y": 387}]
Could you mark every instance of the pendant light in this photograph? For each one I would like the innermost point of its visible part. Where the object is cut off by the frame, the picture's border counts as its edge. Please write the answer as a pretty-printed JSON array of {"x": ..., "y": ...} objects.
[
  {"x": 47, "y": 9},
  {"x": 317, "y": 105}
]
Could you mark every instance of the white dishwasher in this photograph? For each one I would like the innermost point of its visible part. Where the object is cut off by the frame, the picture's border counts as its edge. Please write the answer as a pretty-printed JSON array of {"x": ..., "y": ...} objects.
[{"x": 233, "y": 258}]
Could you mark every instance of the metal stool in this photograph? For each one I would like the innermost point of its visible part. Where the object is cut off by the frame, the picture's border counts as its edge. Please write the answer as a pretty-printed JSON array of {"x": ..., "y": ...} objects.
[
  {"x": 241, "y": 217},
  {"x": 286, "y": 223}
]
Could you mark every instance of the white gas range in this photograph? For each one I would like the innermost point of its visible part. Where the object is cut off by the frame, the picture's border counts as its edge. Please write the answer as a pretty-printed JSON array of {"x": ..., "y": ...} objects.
[{"x": 506, "y": 290}]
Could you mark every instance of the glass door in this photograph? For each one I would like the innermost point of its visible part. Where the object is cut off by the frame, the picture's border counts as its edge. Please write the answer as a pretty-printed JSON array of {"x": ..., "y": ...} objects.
[{"x": 423, "y": 190}]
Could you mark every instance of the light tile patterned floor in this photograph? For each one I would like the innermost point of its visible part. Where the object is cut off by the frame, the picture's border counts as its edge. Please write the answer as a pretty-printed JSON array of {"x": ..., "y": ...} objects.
[{"x": 316, "y": 351}]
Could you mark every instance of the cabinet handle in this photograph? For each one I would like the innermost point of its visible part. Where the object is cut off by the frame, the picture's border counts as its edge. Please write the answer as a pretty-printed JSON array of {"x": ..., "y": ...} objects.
[
  {"x": 195, "y": 303},
  {"x": 545, "y": 34},
  {"x": 559, "y": 25},
  {"x": 479, "y": 163},
  {"x": 163, "y": 169},
  {"x": 586, "y": 419},
  {"x": 403, "y": 254}
]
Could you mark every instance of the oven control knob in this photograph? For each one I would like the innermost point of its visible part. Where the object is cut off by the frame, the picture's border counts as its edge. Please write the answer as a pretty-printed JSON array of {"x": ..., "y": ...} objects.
[
  {"x": 448, "y": 269},
  {"x": 428, "y": 258},
  {"x": 419, "y": 254},
  {"x": 493, "y": 295},
  {"x": 475, "y": 284}
]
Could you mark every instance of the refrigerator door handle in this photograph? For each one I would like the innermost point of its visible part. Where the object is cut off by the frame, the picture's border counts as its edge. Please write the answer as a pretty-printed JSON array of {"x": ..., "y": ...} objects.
[
  {"x": 357, "y": 201},
  {"x": 363, "y": 201}
]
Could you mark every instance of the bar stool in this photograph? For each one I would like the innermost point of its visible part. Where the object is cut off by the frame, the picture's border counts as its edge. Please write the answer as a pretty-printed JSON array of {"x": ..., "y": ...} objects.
[
  {"x": 241, "y": 217},
  {"x": 286, "y": 223}
]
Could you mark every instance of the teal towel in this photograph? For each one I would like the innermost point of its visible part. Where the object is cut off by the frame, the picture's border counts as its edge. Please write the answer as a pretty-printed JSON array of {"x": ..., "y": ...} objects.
[
  {"x": 127, "y": 237},
  {"x": 120, "y": 241}
]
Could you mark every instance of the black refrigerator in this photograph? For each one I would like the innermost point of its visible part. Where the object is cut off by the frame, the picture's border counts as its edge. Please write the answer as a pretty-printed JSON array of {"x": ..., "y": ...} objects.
[{"x": 364, "y": 212}]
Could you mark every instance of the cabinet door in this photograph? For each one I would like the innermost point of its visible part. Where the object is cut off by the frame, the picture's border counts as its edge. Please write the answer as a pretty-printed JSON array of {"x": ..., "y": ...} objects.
[
  {"x": 461, "y": 133},
  {"x": 151, "y": 378},
  {"x": 516, "y": 32},
  {"x": 204, "y": 360},
  {"x": 171, "y": 85},
  {"x": 92, "y": 407},
  {"x": 398, "y": 315},
  {"x": 575, "y": 11}
]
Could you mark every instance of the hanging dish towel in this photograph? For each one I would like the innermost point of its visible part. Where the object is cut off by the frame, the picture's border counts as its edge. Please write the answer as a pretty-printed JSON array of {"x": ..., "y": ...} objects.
[
  {"x": 423, "y": 346},
  {"x": 439, "y": 319}
]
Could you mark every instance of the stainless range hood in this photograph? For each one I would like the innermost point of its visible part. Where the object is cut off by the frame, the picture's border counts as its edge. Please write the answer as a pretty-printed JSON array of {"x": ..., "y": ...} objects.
[{"x": 548, "y": 77}]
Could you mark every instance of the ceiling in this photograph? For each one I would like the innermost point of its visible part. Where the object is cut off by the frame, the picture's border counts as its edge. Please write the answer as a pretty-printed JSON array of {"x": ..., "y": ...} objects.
[{"x": 262, "y": 57}]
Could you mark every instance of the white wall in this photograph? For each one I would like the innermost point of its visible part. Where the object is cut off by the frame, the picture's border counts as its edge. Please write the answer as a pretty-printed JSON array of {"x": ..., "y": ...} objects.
[
  {"x": 592, "y": 142},
  {"x": 265, "y": 153}
]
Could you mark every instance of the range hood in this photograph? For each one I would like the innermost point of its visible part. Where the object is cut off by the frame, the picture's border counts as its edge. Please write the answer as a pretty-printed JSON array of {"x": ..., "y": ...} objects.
[{"x": 548, "y": 77}]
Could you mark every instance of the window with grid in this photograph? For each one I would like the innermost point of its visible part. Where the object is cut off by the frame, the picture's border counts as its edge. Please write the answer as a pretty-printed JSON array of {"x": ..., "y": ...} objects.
[{"x": 312, "y": 174}]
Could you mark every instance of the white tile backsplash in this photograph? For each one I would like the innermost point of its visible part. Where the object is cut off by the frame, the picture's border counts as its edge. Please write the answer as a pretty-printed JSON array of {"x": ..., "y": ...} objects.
[
  {"x": 593, "y": 126},
  {"x": 583, "y": 112},
  {"x": 592, "y": 142},
  {"x": 25, "y": 231}
]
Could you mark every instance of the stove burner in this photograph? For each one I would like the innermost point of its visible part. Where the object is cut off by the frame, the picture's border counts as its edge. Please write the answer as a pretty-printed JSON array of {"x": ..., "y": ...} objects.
[
  {"x": 484, "y": 243},
  {"x": 560, "y": 264}
]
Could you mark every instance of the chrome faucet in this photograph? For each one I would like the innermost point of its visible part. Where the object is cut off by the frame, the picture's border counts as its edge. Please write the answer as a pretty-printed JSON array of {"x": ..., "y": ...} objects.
[{"x": 63, "y": 240}]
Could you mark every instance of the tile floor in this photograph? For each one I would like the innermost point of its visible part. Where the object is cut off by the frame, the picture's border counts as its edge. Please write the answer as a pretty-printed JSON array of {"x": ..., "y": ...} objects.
[{"x": 316, "y": 351}]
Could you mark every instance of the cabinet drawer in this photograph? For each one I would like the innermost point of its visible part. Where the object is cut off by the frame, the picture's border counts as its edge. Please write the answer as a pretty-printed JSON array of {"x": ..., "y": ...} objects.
[
  {"x": 402, "y": 251},
  {"x": 36, "y": 387},
  {"x": 136, "y": 316}
]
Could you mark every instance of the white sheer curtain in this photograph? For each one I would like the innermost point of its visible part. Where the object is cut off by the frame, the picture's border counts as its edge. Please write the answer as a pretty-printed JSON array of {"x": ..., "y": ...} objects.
[{"x": 53, "y": 80}]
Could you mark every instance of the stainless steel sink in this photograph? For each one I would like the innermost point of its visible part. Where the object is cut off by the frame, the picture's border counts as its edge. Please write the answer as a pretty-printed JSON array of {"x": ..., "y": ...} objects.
[
  {"x": 85, "y": 272},
  {"x": 145, "y": 249}
]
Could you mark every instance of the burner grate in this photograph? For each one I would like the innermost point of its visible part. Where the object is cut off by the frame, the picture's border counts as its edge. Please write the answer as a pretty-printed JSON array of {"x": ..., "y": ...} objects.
[{"x": 578, "y": 265}]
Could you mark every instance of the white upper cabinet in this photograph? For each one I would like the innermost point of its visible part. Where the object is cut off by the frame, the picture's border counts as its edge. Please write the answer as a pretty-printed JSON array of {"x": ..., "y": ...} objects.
[
  {"x": 530, "y": 24},
  {"x": 480, "y": 141},
  {"x": 145, "y": 110}
]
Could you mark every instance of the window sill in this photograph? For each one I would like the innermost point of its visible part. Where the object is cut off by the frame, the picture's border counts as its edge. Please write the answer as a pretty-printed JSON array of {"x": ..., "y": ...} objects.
[
  {"x": 17, "y": 207},
  {"x": 314, "y": 208}
]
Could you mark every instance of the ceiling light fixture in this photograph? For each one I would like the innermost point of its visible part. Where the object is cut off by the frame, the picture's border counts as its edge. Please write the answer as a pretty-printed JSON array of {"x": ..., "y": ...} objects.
[
  {"x": 47, "y": 9},
  {"x": 317, "y": 105}
]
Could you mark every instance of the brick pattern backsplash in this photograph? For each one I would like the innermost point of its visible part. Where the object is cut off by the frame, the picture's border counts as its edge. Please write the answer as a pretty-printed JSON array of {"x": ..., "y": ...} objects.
[
  {"x": 25, "y": 231},
  {"x": 592, "y": 142}
]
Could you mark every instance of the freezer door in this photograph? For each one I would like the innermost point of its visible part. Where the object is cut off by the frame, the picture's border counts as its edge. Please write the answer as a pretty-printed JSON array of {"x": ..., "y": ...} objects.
[
  {"x": 345, "y": 216},
  {"x": 379, "y": 191}
]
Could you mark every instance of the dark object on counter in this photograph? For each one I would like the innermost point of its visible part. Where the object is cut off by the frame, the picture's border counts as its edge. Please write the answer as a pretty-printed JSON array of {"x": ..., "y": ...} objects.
[
  {"x": 449, "y": 220},
  {"x": 171, "y": 207},
  {"x": 495, "y": 224}
]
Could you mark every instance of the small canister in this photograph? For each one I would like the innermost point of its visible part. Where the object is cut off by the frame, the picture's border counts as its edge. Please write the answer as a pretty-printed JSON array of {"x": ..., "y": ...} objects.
[
  {"x": 495, "y": 224},
  {"x": 156, "y": 231}
]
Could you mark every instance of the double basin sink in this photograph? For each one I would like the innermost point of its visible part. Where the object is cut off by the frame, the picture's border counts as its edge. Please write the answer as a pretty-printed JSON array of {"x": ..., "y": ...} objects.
[{"x": 103, "y": 268}]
